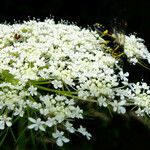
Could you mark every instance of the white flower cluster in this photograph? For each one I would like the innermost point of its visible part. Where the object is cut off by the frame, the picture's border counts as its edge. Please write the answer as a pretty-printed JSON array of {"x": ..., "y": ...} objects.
[
  {"x": 50, "y": 69},
  {"x": 135, "y": 49}
]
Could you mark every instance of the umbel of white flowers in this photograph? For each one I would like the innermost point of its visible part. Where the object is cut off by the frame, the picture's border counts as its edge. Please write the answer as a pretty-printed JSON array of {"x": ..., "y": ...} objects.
[{"x": 47, "y": 70}]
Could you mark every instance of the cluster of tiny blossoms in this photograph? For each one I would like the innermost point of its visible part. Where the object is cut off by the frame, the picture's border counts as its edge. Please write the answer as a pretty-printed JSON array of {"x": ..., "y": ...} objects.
[
  {"x": 135, "y": 49},
  {"x": 47, "y": 70}
]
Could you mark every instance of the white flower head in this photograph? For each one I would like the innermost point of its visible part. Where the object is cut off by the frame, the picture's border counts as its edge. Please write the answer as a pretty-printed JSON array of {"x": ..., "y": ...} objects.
[
  {"x": 135, "y": 49},
  {"x": 67, "y": 64}
]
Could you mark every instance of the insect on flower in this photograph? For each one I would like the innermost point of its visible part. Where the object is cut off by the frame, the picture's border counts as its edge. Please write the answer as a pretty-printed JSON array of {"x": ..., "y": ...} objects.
[
  {"x": 17, "y": 36},
  {"x": 114, "y": 39}
]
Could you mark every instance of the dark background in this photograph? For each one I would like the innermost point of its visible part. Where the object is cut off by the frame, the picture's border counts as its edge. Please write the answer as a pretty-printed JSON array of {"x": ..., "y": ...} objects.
[
  {"x": 83, "y": 12},
  {"x": 120, "y": 133}
]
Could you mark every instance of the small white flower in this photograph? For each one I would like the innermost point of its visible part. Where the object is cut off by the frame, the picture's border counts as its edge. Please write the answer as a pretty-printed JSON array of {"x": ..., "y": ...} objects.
[
  {"x": 37, "y": 124},
  {"x": 32, "y": 90},
  {"x": 19, "y": 111},
  {"x": 57, "y": 84},
  {"x": 50, "y": 122},
  {"x": 5, "y": 120},
  {"x": 70, "y": 102},
  {"x": 118, "y": 106},
  {"x": 123, "y": 76},
  {"x": 60, "y": 138},
  {"x": 102, "y": 101},
  {"x": 1, "y": 104},
  {"x": 140, "y": 112},
  {"x": 77, "y": 113},
  {"x": 145, "y": 86},
  {"x": 60, "y": 117},
  {"x": 69, "y": 127},
  {"x": 84, "y": 132},
  {"x": 83, "y": 94},
  {"x": 60, "y": 98}
]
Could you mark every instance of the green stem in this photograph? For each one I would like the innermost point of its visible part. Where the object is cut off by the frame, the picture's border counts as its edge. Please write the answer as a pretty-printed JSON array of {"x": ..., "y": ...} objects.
[
  {"x": 21, "y": 141},
  {"x": 143, "y": 65},
  {"x": 65, "y": 93},
  {"x": 43, "y": 82},
  {"x": 4, "y": 137},
  {"x": 12, "y": 133},
  {"x": 55, "y": 91},
  {"x": 33, "y": 139}
]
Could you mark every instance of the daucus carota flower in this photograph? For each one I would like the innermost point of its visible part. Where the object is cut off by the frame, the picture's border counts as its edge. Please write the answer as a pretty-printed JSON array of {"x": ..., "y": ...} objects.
[
  {"x": 48, "y": 71},
  {"x": 36, "y": 124},
  {"x": 119, "y": 106},
  {"x": 4, "y": 120},
  {"x": 60, "y": 138},
  {"x": 84, "y": 132}
]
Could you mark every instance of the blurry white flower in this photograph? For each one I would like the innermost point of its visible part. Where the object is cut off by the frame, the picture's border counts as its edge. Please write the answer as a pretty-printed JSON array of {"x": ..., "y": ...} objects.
[
  {"x": 50, "y": 122},
  {"x": 102, "y": 101},
  {"x": 19, "y": 111},
  {"x": 32, "y": 90},
  {"x": 135, "y": 49},
  {"x": 84, "y": 132},
  {"x": 124, "y": 76},
  {"x": 60, "y": 117},
  {"x": 57, "y": 84},
  {"x": 37, "y": 124},
  {"x": 69, "y": 127},
  {"x": 119, "y": 106},
  {"x": 77, "y": 113},
  {"x": 60, "y": 138},
  {"x": 139, "y": 112},
  {"x": 5, "y": 120}
]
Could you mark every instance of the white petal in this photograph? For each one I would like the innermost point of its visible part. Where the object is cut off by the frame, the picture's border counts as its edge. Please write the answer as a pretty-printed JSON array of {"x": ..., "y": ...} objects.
[
  {"x": 32, "y": 120},
  {"x": 36, "y": 128},
  {"x": 49, "y": 123},
  {"x": 122, "y": 110},
  {"x": 65, "y": 139},
  {"x": 2, "y": 125},
  {"x": 8, "y": 123},
  {"x": 32, "y": 126},
  {"x": 114, "y": 108},
  {"x": 122, "y": 102},
  {"x": 41, "y": 128},
  {"x": 54, "y": 135},
  {"x": 88, "y": 136},
  {"x": 59, "y": 142}
]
